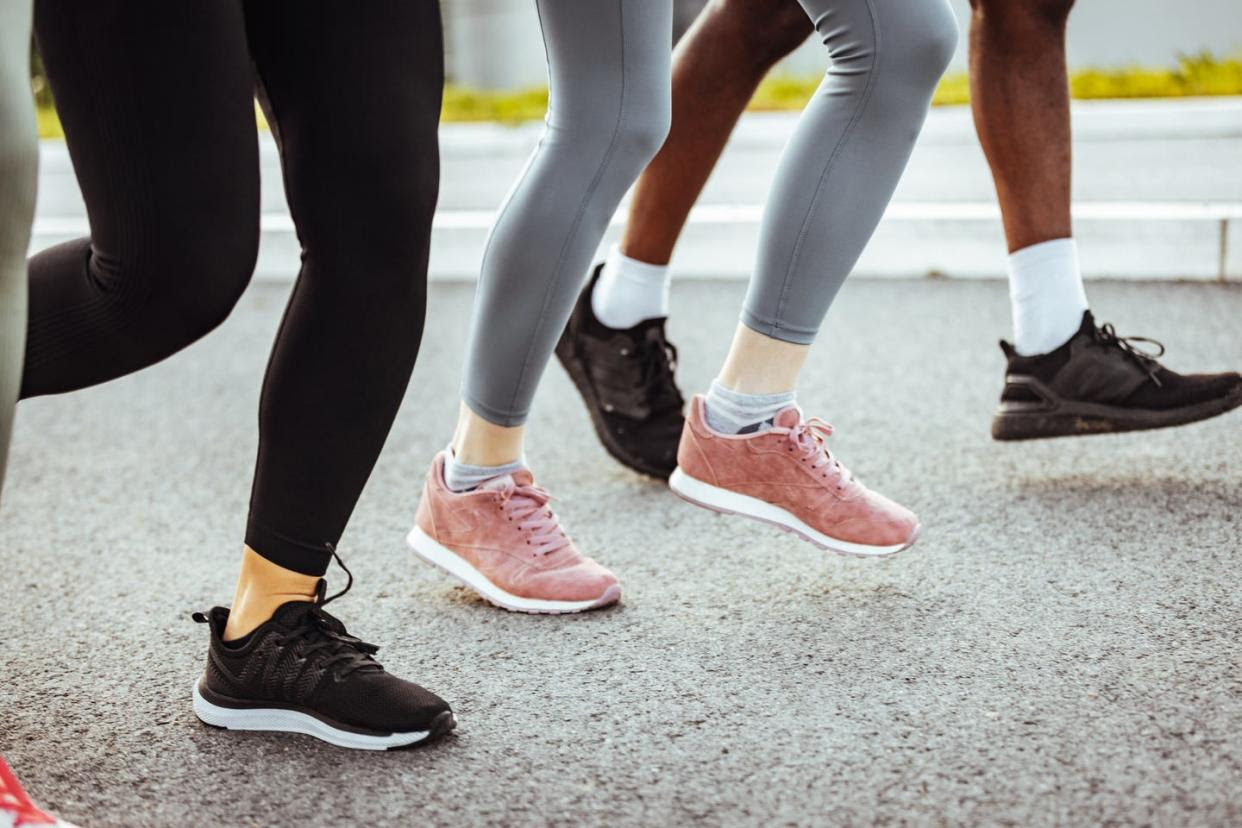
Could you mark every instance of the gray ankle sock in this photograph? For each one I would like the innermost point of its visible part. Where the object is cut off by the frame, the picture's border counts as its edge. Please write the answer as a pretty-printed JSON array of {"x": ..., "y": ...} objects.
[
  {"x": 732, "y": 412},
  {"x": 462, "y": 477}
]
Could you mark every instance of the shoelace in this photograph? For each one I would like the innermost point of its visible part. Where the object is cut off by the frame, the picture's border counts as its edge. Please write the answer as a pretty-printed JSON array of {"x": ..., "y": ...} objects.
[
  {"x": 528, "y": 505},
  {"x": 343, "y": 653},
  {"x": 1106, "y": 335},
  {"x": 15, "y": 800},
  {"x": 657, "y": 360},
  {"x": 807, "y": 438}
]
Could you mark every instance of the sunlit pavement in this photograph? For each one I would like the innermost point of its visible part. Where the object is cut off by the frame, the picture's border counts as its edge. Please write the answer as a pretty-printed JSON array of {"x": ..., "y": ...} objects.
[{"x": 1062, "y": 645}]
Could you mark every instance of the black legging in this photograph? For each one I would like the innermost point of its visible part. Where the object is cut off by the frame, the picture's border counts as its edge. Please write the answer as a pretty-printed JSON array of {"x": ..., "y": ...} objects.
[{"x": 156, "y": 99}]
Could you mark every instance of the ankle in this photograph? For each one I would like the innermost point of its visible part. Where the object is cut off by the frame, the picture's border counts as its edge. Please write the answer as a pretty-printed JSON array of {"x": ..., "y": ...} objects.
[
  {"x": 760, "y": 364},
  {"x": 479, "y": 442},
  {"x": 262, "y": 587},
  {"x": 463, "y": 477},
  {"x": 629, "y": 291},
  {"x": 733, "y": 412}
]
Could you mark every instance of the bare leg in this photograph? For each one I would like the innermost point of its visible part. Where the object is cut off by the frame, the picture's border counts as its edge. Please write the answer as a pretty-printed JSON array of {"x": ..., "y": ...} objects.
[
  {"x": 1020, "y": 100},
  {"x": 716, "y": 68},
  {"x": 478, "y": 442},
  {"x": 759, "y": 364}
]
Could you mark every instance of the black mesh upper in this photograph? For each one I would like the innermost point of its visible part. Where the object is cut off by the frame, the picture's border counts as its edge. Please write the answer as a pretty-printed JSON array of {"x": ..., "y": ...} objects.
[{"x": 273, "y": 665}]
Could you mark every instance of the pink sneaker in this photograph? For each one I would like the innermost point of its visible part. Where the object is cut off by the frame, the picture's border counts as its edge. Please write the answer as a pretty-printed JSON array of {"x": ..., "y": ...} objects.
[
  {"x": 504, "y": 542},
  {"x": 787, "y": 477}
]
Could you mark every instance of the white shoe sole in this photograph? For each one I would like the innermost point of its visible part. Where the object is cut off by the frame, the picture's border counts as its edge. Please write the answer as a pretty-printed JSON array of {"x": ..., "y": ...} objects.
[
  {"x": 291, "y": 721},
  {"x": 436, "y": 554},
  {"x": 732, "y": 503}
]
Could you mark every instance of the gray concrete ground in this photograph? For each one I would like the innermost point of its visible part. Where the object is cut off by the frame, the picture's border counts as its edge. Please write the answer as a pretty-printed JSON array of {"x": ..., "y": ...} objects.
[{"x": 1062, "y": 647}]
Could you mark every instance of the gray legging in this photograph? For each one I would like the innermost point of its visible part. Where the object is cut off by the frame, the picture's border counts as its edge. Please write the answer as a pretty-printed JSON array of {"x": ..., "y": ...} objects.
[
  {"x": 608, "y": 112},
  {"x": 609, "y": 109},
  {"x": 842, "y": 164},
  {"x": 19, "y": 157}
]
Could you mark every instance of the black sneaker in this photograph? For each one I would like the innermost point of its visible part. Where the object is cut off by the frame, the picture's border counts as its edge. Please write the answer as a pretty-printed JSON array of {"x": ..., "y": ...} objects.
[
  {"x": 1099, "y": 383},
  {"x": 300, "y": 672},
  {"x": 626, "y": 379}
]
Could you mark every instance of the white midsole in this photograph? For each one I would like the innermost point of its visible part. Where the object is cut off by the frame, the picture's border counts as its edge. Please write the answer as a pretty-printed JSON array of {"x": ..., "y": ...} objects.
[
  {"x": 730, "y": 501},
  {"x": 433, "y": 552},
  {"x": 291, "y": 721}
]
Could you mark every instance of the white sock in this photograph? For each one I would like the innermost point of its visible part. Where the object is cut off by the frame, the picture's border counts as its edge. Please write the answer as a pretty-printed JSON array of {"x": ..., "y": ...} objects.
[
  {"x": 629, "y": 291},
  {"x": 462, "y": 477},
  {"x": 732, "y": 412},
  {"x": 1045, "y": 290}
]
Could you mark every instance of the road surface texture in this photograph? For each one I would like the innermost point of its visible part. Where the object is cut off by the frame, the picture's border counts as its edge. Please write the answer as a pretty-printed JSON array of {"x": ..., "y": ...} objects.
[{"x": 1062, "y": 646}]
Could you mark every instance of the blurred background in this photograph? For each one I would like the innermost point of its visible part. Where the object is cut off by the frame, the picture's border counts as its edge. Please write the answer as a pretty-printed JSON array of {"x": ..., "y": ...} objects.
[
  {"x": 1157, "y": 155},
  {"x": 494, "y": 44}
]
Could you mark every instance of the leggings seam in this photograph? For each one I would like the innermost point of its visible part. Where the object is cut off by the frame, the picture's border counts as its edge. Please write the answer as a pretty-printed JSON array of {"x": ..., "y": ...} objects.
[
  {"x": 795, "y": 255},
  {"x": 269, "y": 107},
  {"x": 582, "y": 207}
]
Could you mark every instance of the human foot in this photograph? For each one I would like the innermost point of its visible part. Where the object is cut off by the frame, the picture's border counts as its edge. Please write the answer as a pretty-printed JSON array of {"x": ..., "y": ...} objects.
[
  {"x": 1098, "y": 383},
  {"x": 787, "y": 477},
  {"x": 301, "y": 672},
  {"x": 625, "y": 377},
  {"x": 503, "y": 540}
]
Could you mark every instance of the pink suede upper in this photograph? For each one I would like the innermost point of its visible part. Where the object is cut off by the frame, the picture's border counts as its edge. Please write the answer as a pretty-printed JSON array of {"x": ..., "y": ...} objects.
[
  {"x": 507, "y": 531},
  {"x": 790, "y": 467}
]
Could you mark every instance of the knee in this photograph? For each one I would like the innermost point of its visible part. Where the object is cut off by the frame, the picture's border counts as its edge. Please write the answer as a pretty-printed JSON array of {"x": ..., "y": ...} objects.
[
  {"x": 897, "y": 57},
  {"x": 209, "y": 273},
  {"x": 644, "y": 128},
  {"x": 923, "y": 51},
  {"x": 767, "y": 31},
  {"x": 385, "y": 234},
  {"x": 1010, "y": 14}
]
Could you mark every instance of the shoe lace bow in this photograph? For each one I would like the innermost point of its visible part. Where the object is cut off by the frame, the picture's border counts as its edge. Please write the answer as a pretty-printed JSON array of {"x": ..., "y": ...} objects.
[
  {"x": 342, "y": 653},
  {"x": 527, "y": 505},
  {"x": 1146, "y": 359}
]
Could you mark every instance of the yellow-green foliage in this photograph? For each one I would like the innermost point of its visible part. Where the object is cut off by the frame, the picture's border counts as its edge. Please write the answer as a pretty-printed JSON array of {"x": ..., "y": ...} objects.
[
  {"x": 1195, "y": 75},
  {"x": 506, "y": 107},
  {"x": 1200, "y": 74}
]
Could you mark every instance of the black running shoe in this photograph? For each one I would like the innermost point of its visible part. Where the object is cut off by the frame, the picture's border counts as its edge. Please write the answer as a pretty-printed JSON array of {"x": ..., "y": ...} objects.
[
  {"x": 300, "y": 672},
  {"x": 626, "y": 380},
  {"x": 1100, "y": 383}
]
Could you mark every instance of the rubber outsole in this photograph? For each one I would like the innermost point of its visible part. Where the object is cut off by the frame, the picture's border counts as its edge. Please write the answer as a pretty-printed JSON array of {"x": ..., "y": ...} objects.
[
  {"x": 433, "y": 552},
  {"x": 573, "y": 367},
  {"x": 726, "y": 502},
  {"x": 1024, "y": 421},
  {"x": 283, "y": 720}
]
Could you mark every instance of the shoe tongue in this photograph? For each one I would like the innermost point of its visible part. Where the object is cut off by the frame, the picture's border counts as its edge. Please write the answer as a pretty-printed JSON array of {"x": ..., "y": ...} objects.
[
  {"x": 521, "y": 477},
  {"x": 787, "y": 417},
  {"x": 290, "y": 614}
]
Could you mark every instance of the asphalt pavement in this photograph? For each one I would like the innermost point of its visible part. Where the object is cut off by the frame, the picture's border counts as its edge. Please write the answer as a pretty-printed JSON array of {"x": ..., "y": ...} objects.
[{"x": 1061, "y": 647}]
